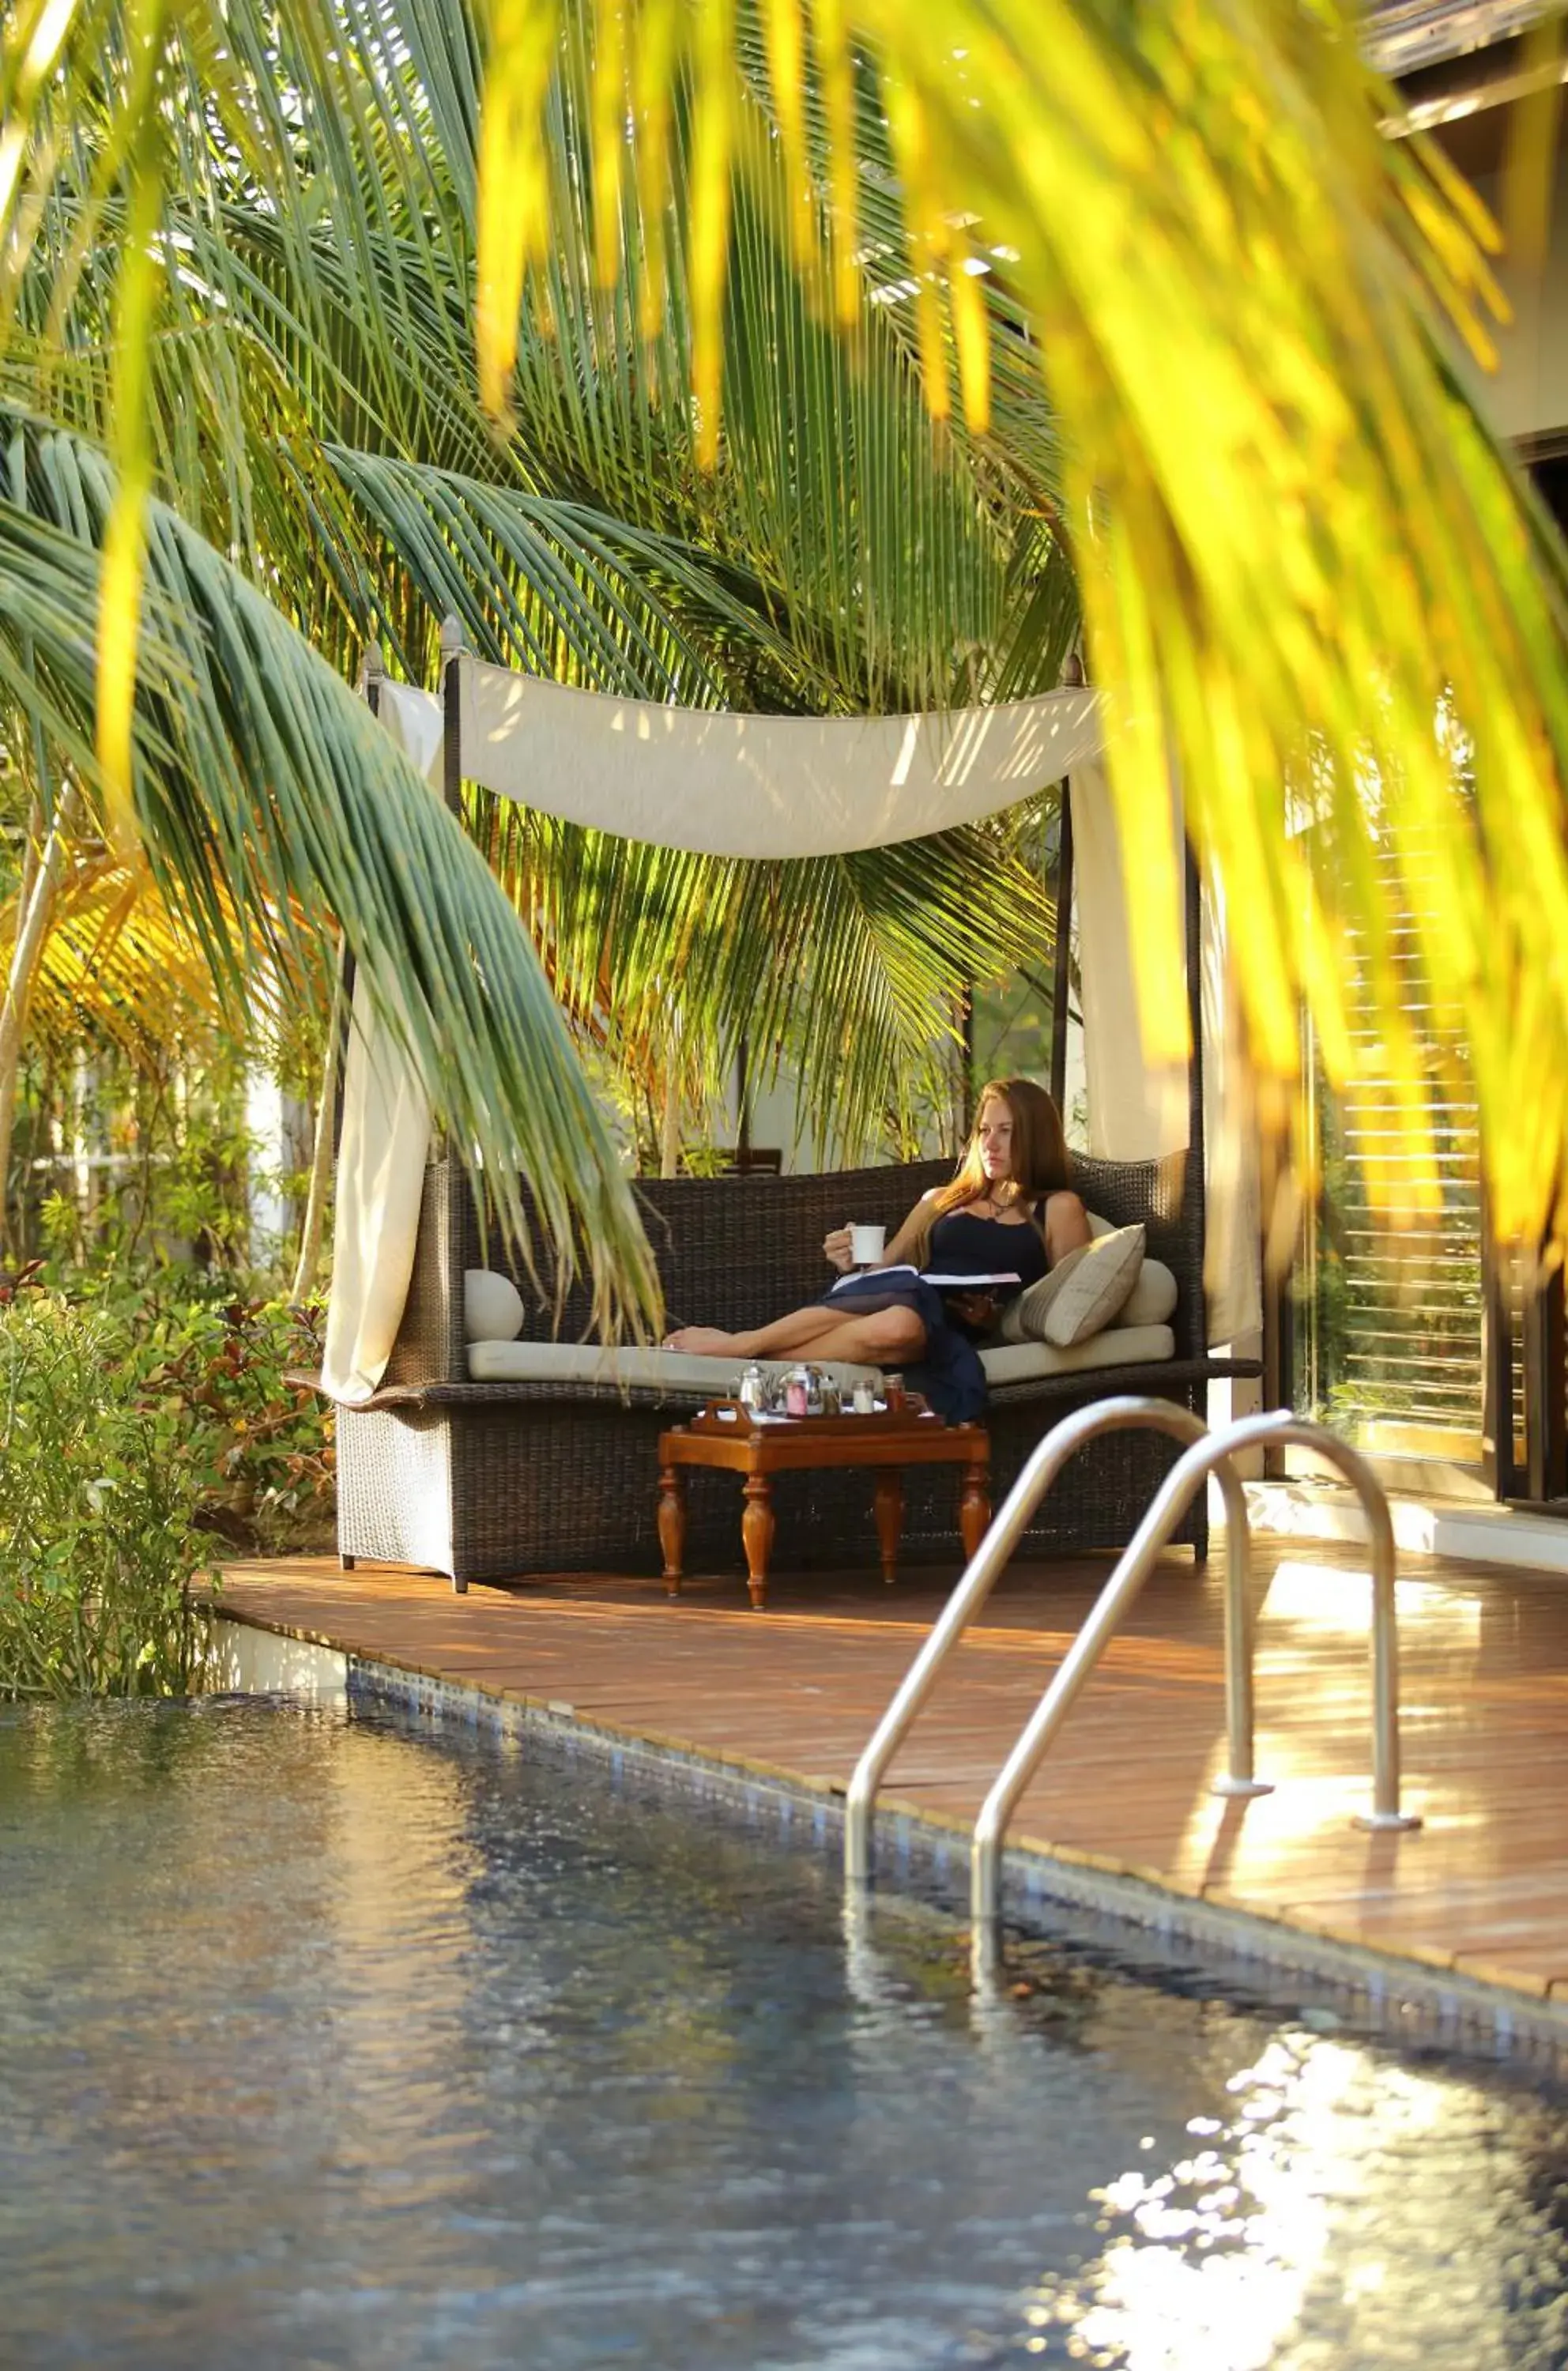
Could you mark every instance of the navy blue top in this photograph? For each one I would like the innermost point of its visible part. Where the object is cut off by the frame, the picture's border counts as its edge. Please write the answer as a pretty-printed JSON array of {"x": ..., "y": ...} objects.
[
  {"x": 949, "y": 1375},
  {"x": 962, "y": 1244}
]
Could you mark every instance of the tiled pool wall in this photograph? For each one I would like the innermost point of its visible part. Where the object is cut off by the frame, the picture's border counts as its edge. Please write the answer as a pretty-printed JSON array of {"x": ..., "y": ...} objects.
[
  {"x": 1106, "y": 1909},
  {"x": 243, "y": 1659}
]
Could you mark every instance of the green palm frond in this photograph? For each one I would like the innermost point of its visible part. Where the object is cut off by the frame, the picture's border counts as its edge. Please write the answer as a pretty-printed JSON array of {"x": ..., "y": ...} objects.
[
  {"x": 119, "y": 961},
  {"x": 265, "y": 789},
  {"x": 313, "y": 407},
  {"x": 848, "y": 968},
  {"x": 558, "y": 590}
]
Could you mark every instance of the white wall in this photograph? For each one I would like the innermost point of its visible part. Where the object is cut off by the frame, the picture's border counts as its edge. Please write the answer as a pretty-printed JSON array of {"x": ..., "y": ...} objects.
[{"x": 1527, "y": 395}]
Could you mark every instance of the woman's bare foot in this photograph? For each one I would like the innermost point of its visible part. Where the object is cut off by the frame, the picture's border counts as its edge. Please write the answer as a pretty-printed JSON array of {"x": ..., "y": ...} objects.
[{"x": 702, "y": 1342}]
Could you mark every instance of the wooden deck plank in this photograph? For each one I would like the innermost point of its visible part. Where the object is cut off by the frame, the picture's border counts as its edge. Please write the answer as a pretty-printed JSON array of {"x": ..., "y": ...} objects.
[{"x": 1484, "y": 1679}]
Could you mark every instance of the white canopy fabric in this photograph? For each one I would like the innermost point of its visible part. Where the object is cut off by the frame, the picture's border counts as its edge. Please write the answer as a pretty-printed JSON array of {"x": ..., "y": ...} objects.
[
  {"x": 1137, "y": 1109},
  {"x": 723, "y": 784},
  {"x": 381, "y": 1164},
  {"x": 770, "y": 787}
]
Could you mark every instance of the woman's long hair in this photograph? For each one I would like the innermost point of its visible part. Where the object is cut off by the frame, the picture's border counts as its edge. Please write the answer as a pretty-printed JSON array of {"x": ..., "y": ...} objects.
[{"x": 1041, "y": 1162}]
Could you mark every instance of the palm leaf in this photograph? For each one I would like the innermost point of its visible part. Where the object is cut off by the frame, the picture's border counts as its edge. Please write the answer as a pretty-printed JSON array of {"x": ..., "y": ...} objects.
[
  {"x": 306, "y": 411},
  {"x": 264, "y": 789}
]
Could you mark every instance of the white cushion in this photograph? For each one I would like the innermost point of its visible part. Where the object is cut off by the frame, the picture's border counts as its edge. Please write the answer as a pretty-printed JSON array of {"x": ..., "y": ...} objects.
[
  {"x": 1152, "y": 1300},
  {"x": 1119, "y": 1345},
  {"x": 591, "y": 1362},
  {"x": 493, "y": 1306}
]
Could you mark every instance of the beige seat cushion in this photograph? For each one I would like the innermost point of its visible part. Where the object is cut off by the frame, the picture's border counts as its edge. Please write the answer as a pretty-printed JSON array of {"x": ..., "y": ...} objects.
[
  {"x": 588, "y": 1363},
  {"x": 591, "y": 1362},
  {"x": 1119, "y": 1345}
]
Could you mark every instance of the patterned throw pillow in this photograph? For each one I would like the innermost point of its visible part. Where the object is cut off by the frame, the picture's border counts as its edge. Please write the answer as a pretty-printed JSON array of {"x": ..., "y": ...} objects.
[
  {"x": 1023, "y": 1319},
  {"x": 1082, "y": 1293}
]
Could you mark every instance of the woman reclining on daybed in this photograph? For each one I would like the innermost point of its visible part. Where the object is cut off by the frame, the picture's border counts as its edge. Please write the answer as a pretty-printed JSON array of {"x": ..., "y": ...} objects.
[{"x": 1008, "y": 1209}]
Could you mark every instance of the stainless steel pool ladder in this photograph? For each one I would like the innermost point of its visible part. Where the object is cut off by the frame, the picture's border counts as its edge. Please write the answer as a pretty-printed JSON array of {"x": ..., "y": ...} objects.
[{"x": 1205, "y": 1453}]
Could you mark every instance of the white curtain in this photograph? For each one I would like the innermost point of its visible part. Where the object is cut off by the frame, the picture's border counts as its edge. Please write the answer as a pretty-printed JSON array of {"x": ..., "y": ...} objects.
[
  {"x": 1137, "y": 1111},
  {"x": 381, "y": 1165}
]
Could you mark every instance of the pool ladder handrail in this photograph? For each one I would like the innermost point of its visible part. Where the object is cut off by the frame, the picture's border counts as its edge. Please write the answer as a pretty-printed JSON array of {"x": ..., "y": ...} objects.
[
  {"x": 1207, "y": 1453},
  {"x": 1125, "y": 1414}
]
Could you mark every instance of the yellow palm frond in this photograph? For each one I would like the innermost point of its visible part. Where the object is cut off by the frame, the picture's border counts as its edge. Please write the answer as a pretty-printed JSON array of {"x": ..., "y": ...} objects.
[{"x": 1299, "y": 548}]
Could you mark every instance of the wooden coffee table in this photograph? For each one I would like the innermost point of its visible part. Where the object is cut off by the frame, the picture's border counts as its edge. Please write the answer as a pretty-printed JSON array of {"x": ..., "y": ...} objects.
[{"x": 727, "y": 1436}]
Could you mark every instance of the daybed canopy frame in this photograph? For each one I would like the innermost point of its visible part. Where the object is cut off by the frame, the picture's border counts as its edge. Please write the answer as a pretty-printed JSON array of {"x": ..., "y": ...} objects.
[{"x": 487, "y": 1480}]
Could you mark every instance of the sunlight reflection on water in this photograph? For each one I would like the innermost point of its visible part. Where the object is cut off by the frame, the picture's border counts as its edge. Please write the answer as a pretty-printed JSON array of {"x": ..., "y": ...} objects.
[{"x": 329, "y": 2041}]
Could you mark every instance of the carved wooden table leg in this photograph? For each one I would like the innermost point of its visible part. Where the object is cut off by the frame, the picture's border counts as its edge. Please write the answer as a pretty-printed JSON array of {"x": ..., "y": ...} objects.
[
  {"x": 890, "y": 1518},
  {"x": 758, "y": 1523},
  {"x": 672, "y": 1526},
  {"x": 974, "y": 1507}
]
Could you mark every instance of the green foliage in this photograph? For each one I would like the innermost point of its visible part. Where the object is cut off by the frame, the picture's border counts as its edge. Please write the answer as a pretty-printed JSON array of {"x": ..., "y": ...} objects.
[
  {"x": 262, "y": 1445},
  {"x": 132, "y": 1434},
  {"x": 314, "y": 414},
  {"x": 98, "y": 1544},
  {"x": 167, "y": 1161}
]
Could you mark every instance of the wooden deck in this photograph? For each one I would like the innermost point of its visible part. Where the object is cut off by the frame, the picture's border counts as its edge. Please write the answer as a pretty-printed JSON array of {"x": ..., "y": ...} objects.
[{"x": 1482, "y": 1887}]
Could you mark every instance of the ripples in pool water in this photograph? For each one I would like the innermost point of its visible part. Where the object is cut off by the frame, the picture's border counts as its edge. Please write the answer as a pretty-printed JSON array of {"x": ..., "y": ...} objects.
[{"x": 329, "y": 2042}]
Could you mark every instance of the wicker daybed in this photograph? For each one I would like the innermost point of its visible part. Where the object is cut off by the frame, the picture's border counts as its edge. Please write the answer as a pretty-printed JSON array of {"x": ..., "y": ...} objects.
[{"x": 501, "y": 1480}]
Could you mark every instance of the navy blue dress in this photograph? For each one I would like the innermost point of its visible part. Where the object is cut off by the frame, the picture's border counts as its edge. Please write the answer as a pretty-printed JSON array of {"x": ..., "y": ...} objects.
[{"x": 949, "y": 1376}]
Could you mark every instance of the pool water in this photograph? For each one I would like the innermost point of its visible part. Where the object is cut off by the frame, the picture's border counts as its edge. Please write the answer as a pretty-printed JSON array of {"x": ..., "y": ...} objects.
[{"x": 326, "y": 2040}]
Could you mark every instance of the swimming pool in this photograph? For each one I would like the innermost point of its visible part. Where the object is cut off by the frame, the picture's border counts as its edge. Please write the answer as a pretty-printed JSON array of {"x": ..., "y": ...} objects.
[{"x": 329, "y": 2041}]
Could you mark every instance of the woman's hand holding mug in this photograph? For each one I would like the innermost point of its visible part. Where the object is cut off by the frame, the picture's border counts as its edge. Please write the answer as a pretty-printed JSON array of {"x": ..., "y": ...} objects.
[{"x": 855, "y": 1247}]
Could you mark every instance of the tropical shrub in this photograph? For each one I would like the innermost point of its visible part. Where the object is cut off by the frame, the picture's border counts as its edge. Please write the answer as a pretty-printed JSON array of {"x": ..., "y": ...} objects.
[
  {"x": 132, "y": 1438},
  {"x": 262, "y": 1447},
  {"x": 99, "y": 1542}
]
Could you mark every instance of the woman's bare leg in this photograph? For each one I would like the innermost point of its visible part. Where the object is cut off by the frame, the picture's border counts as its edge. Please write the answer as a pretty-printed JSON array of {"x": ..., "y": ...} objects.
[
  {"x": 826, "y": 1333},
  {"x": 800, "y": 1330},
  {"x": 889, "y": 1337}
]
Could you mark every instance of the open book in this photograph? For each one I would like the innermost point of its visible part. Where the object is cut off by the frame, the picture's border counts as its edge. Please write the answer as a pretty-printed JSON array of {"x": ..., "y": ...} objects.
[{"x": 904, "y": 1274}]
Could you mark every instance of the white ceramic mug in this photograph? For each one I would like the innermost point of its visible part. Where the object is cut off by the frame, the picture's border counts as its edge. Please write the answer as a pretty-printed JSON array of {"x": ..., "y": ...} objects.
[{"x": 867, "y": 1246}]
